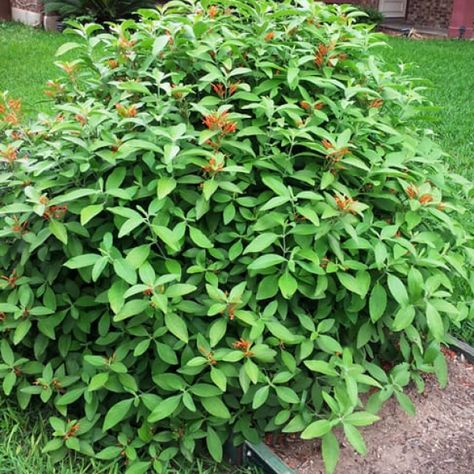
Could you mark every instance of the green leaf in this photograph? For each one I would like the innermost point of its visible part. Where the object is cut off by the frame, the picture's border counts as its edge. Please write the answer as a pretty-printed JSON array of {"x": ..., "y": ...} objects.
[
  {"x": 405, "y": 403},
  {"x": 217, "y": 331},
  {"x": 58, "y": 229},
  {"x": 177, "y": 326},
  {"x": 214, "y": 444},
  {"x": 261, "y": 242},
  {"x": 398, "y": 290},
  {"x": 98, "y": 381},
  {"x": 316, "y": 429},
  {"x": 266, "y": 261},
  {"x": 287, "y": 394},
  {"x": 330, "y": 451},
  {"x": 89, "y": 212},
  {"x": 260, "y": 397},
  {"x": 435, "y": 323},
  {"x": 288, "y": 285},
  {"x": 124, "y": 270},
  {"x": 167, "y": 236},
  {"x": 321, "y": 367},
  {"x": 132, "y": 308},
  {"x": 7, "y": 353},
  {"x": 215, "y": 406},
  {"x": 21, "y": 331},
  {"x": 159, "y": 44},
  {"x": 218, "y": 377},
  {"x": 377, "y": 302},
  {"x": 328, "y": 344},
  {"x": 355, "y": 438},
  {"x": 361, "y": 418},
  {"x": 117, "y": 413},
  {"x": 165, "y": 186},
  {"x": 404, "y": 317},
  {"x": 164, "y": 409},
  {"x": 199, "y": 238},
  {"x": 81, "y": 261}
]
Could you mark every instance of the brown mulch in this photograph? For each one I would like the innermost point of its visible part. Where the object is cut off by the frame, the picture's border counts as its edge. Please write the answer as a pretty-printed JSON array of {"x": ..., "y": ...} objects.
[{"x": 438, "y": 440}]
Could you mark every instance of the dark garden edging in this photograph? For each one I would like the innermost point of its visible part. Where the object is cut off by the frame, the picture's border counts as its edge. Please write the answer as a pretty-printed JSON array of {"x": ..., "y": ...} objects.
[
  {"x": 260, "y": 455},
  {"x": 461, "y": 347}
]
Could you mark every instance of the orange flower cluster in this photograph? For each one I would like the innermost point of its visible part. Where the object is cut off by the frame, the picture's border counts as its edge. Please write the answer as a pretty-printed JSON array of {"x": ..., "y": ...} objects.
[
  {"x": 212, "y": 166},
  {"x": 220, "y": 121},
  {"x": 425, "y": 199},
  {"x": 9, "y": 155},
  {"x": 376, "y": 104},
  {"x": 411, "y": 191},
  {"x": 321, "y": 54},
  {"x": 53, "y": 89},
  {"x": 345, "y": 204},
  {"x": 243, "y": 346},
  {"x": 221, "y": 90},
  {"x": 69, "y": 68},
  {"x": 19, "y": 227},
  {"x": 335, "y": 155},
  {"x": 213, "y": 11},
  {"x": 170, "y": 37},
  {"x": 82, "y": 119},
  {"x": 10, "y": 112},
  {"x": 125, "y": 43},
  {"x": 113, "y": 63},
  {"x": 269, "y": 36},
  {"x": 57, "y": 212},
  {"x": 72, "y": 431},
  {"x": 307, "y": 106},
  {"x": 11, "y": 280},
  {"x": 208, "y": 355},
  {"x": 126, "y": 112}
]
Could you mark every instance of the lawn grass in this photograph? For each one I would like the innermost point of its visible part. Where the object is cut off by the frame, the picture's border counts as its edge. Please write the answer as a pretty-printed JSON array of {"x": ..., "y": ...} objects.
[
  {"x": 27, "y": 62},
  {"x": 23, "y": 434}
]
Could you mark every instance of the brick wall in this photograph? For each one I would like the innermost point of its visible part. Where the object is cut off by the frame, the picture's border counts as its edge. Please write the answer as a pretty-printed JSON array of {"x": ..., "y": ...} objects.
[
  {"x": 29, "y": 5},
  {"x": 433, "y": 13},
  {"x": 367, "y": 3}
]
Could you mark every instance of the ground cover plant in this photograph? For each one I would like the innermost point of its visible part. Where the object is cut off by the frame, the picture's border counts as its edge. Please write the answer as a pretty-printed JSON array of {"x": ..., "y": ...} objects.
[{"x": 228, "y": 225}]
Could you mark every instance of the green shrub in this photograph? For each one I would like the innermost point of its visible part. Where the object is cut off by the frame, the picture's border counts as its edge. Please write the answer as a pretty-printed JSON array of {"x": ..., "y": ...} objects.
[
  {"x": 372, "y": 16},
  {"x": 100, "y": 10},
  {"x": 229, "y": 227}
]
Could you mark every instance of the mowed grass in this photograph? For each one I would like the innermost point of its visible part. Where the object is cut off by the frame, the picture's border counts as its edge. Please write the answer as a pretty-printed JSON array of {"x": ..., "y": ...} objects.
[{"x": 27, "y": 62}]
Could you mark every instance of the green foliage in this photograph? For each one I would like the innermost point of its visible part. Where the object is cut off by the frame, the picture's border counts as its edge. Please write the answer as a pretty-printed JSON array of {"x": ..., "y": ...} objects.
[
  {"x": 229, "y": 226},
  {"x": 372, "y": 16},
  {"x": 100, "y": 10}
]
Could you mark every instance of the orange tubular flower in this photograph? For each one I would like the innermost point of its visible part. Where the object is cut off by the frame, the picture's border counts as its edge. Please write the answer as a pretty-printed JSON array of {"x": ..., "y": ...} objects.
[
  {"x": 10, "y": 112},
  {"x": 9, "y": 154},
  {"x": 376, "y": 104},
  {"x": 212, "y": 166},
  {"x": 244, "y": 346},
  {"x": 411, "y": 191},
  {"x": 269, "y": 36},
  {"x": 126, "y": 112},
  {"x": 219, "y": 89},
  {"x": 213, "y": 11},
  {"x": 233, "y": 87},
  {"x": 220, "y": 121},
  {"x": 345, "y": 204},
  {"x": 113, "y": 63},
  {"x": 320, "y": 55},
  {"x": 327, "y": 144},
  {"x": 425, "y": 199},
  {"x": 305, "y": 105}
]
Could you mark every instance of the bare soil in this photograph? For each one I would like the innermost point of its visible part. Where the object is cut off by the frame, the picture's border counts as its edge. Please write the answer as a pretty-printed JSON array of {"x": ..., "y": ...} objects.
[{"x": 438, "y": 440}]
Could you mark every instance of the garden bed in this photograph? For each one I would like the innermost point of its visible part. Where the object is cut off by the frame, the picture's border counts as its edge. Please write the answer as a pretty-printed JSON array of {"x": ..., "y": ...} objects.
[{"x": 439, "y": 439}]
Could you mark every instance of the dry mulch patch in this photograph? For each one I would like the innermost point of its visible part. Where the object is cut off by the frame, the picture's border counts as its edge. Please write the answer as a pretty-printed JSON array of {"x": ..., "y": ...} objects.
[{"x": 438, "y": 440}]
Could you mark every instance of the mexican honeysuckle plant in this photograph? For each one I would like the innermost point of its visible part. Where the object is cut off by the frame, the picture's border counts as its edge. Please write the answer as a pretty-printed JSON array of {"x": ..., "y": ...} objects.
[{"x": 228, "y": 225}]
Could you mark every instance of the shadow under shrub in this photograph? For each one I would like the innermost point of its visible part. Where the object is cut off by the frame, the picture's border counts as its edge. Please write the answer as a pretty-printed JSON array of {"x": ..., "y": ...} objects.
[{"x": 229, "y": 226}]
